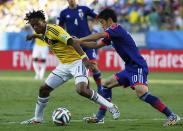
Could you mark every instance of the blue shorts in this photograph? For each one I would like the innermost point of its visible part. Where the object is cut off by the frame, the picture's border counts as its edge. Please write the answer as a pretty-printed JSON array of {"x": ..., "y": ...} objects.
[
  {"x": 136, "y": 76},
  {"x": 91, "y": 53}
]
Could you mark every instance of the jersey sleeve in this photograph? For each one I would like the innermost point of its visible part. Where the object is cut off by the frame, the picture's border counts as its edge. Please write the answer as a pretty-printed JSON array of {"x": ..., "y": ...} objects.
[
  {"x": 63, "y": 36},
  {"x": 58, "y": 33},
  {"x": 91, "y": 13},
  {"x": 106, "y": 41},
  {"x": 112, "y": 33}
]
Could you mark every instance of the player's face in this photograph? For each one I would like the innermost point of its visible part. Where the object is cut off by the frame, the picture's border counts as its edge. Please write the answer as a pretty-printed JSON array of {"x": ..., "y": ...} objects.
[
  {"x": 72, "y": 2},
  {"x": 103, "y": 23},
  {"x": 38, "y": 25}
]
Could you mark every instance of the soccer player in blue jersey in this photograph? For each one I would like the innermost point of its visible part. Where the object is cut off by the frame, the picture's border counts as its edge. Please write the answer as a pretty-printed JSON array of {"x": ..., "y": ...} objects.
[
  {"x": 136, "y": 70},
  {"x": 74, "y": 20}
]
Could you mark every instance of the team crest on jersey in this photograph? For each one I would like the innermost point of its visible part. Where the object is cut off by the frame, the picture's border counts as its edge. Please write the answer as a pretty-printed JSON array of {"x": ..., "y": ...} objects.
[
  {"x": 81, "y": 14},
  {"x": 68, "y": 16}
]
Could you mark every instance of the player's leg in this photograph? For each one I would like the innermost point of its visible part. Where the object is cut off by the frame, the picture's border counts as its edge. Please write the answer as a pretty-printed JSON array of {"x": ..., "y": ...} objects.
[
  {"x": 144, "y": 95},
  {"x": 36, "y": 67},
  {"x": 107, "y": 94},
  {"x": 42, "y": 68},
  {"x": 91, "y": 53},
  {"x": 79, "y": 72},
  {"x": 113, "y": 81},
  {"x": 139, "y": 84},
  {"x": 44, "y": 53},
  {"x": 55, "y": 79},
  {"x": 35, "y": 64},
  {"x": 97, "y": 76},
  {"x": 35, "y": 56}
]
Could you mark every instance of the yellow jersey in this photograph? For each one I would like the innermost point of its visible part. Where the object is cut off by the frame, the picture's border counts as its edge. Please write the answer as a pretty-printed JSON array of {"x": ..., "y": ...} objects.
[
  {"x": 40, "y": 42},
  {"x": 56, "y": 38}
]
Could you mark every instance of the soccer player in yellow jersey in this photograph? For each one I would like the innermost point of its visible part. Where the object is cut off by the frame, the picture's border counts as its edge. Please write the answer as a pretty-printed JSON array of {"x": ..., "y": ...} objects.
[
  {"x": 73, "y": 63},
  {"x": 39, "y": 54}
]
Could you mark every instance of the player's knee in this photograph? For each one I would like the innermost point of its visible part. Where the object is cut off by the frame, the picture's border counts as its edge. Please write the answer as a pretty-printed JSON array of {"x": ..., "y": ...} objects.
[
  {"x": 43, "y": 60},
  {"x": 141, "y": 90},
  {"x": 35, "y": 59},
  {"x": 44, "y": 91},
  {"x": 82, "y": 79},
  {"x": 81, "y": 88},
  {"x": 95, "y": 69},
  {"x": 106, "y": 84}
]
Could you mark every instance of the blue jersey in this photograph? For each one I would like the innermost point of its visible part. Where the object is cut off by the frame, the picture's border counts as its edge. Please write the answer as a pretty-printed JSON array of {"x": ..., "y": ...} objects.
[
  {"x": 75, "y": 20},
  {"x": 125, "y": 46}
]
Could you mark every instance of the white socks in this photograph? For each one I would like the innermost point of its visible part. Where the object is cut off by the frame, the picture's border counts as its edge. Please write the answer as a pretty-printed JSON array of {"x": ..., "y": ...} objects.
[
  {"x": 36, "y": 69},
  {"x": 40, "y": 105},
  {"x": 101, "y": 100},
  {"x": 42, "y": 70},
  {"x": 39, "y": 69}
]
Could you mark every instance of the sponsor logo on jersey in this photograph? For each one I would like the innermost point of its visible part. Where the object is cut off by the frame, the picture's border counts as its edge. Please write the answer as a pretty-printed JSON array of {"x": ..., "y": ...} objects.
[
  {"x": 68, "y": 16},
  {"x": 63, "y": 37}
]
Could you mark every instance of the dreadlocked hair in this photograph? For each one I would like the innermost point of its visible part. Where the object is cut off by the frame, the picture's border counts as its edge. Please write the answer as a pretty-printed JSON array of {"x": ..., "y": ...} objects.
[{"x": 35, "y": 14}]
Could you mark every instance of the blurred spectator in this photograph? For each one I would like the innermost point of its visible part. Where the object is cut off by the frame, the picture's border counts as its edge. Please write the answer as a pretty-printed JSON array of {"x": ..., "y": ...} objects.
[
  {"x": 13, "y": 12},
  {"x": 154, "y": 20},
  {"x": 135, "y": 15}
]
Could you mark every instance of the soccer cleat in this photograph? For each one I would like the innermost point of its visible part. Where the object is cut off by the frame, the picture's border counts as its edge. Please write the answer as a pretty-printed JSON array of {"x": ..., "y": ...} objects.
[
  {"x": 93, "y": 119},
  {"x": 30, "y": 121},
  {"x": 115, "y": 112},
  {"x": 172, "y": 120}
]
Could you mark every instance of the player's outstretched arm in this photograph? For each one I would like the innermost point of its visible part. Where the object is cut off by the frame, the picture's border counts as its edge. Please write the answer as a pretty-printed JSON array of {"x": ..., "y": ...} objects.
[
  {"x": 79, "y": 50},
  {"x": 93, "y": 37},
  {"x": 76, "y": 46},
  {"x": 33, "y": 36},
  {"x": 93, "y": 45}
]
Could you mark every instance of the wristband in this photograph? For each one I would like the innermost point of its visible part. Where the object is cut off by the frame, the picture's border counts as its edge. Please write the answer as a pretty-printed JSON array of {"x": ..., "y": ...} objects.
[{"x": 83, "y": 56}]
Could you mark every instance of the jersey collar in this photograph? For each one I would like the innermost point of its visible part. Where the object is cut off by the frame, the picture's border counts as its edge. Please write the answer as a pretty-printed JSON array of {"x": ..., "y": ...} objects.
[
  {"x": 114, "y": 25},
  {"x": 73, "y": 8}
]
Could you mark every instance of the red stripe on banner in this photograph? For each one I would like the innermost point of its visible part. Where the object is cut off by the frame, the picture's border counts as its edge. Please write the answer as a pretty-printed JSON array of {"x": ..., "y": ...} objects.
[
  {"x": 157, "y": 60},
  {"x": 22, "y": 60},
  {"x": 108, "y": 60}
]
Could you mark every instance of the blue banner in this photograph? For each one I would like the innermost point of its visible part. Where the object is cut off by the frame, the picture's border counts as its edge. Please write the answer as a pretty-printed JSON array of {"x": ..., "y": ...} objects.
[
  {"x": 164, "y": 40},
  {"x": 15, "y": 41},
  {"x": 154, "y": 40}
]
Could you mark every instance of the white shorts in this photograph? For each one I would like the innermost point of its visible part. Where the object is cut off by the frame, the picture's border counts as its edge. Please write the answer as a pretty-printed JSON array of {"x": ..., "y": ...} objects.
[
  {"x": 40, "y": 51},
  {"x": 64, "y": 72}
]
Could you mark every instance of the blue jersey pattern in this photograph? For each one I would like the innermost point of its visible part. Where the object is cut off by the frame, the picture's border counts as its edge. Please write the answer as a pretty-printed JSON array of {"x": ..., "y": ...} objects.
[
  {"x": 125, "y": 46},
  {"x": 76, "y": 24},
  {"x": 136, "y": 69},
  {"x": 75, "y": 20}
]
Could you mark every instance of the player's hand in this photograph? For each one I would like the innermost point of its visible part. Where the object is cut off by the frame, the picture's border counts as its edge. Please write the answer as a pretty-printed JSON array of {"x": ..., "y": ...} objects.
[
  {"x": 33, "y": 36},
  {"x": 88, "y": 64},
  {"x": 29, "y": 37},
  {"x": 76, "y": 40}
]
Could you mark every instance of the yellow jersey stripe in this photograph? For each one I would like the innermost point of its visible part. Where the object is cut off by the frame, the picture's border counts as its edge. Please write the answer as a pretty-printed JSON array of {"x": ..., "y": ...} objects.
[{"x": 53, "y": 31}]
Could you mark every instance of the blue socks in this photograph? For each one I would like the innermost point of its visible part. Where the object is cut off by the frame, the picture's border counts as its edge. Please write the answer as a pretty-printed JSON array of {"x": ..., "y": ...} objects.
[
  {"x": 107, "y": 94},
  {"x": 156, "y": 103}
]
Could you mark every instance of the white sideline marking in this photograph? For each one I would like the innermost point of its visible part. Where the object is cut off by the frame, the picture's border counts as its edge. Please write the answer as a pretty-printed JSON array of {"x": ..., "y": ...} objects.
[
  {"x": 78, "y": 121},
  {"x": 152, "y": 81}
]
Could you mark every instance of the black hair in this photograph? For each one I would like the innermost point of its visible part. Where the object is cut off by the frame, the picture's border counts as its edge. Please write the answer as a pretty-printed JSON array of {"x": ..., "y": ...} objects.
[
  {"x": 35, "y": 14},
  {"x": 108, "y": 13}
]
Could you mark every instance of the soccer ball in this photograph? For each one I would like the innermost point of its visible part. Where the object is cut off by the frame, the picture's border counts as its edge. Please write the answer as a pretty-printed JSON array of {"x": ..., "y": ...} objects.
[{"x": 61, "y": 116}]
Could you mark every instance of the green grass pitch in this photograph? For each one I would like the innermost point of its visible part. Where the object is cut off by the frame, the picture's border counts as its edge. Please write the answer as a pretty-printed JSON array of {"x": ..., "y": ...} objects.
[{"x": 18, "y": 93}]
